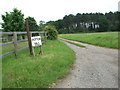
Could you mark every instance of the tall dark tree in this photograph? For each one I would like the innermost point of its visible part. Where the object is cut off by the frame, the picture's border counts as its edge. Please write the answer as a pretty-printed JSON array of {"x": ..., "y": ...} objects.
[
  {"x": 103, "y": 25},
  {"x": 13, "y": 21},
  {"x": 32, "y": 24}
]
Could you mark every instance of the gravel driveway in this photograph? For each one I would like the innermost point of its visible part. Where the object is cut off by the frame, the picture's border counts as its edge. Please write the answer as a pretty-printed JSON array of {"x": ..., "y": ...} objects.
[{"x": 94, "y": 67}]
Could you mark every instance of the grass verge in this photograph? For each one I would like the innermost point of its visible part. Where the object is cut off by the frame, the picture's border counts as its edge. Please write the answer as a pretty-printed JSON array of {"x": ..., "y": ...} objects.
[
  {"x": 39, "y": 71},
  {"x": 79, "y": 45},
  {"x": 104, "y": 39}
]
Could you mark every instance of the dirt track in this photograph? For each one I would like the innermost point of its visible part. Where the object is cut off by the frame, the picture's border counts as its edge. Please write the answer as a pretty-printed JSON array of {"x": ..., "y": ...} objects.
[{"x": 94, "y": 67}]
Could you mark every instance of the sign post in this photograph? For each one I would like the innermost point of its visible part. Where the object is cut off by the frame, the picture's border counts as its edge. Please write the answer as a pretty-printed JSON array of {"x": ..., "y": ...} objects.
[
  {"x": 29, "y": 38},
  {"x": 36, "y": 42}
]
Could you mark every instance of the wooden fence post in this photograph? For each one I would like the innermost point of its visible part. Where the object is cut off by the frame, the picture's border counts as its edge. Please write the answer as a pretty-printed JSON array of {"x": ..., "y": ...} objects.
[
  {"x": 15, "y": 43},
  {"x": 45, "y": 38},
  {"x": 32, "y": 47},
  {"x": 40, "y": 47},
  {"x": 29, "y": 37},
  {"x": 39, "y": 34},
  {"x": 41, "y": 52}
]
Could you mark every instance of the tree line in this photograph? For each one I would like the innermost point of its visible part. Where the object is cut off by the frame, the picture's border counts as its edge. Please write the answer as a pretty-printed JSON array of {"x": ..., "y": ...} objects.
[{"x": 86, "y": 22}]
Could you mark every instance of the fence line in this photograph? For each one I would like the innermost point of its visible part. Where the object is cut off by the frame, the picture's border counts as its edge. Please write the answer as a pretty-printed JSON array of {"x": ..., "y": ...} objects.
[
  {"x": 6, "y": 33},
  {"x": 5, "y": 44},
  {"x": 9, "y": 43},
  {"x": 15, "y": 42}
]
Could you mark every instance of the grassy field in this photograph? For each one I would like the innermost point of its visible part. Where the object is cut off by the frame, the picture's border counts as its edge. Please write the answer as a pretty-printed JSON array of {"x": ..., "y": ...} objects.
[
  {"x": 104, "y": 39},
  {"x": 10, "y": 48},
  {"x": 39, "y": 71}
]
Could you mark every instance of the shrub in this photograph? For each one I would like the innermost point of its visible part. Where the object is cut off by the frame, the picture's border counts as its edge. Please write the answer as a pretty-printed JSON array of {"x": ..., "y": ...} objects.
[{"x": 52, "y": 32}]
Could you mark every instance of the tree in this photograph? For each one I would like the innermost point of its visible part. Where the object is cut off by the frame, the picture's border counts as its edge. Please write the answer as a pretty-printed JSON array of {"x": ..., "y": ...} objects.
[
  {"x": 104, "y": 24},
  {"x": 41, "y": 25},
  {"x": 52, "y": 32},
  {"x": 32, "y": 24},
  {"x": 87, "y": 22},
  {"x": 13, "y": 21}
]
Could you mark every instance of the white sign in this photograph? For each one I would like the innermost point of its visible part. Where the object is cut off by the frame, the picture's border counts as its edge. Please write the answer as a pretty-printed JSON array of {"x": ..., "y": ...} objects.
[{"x": 36, "y": 41}]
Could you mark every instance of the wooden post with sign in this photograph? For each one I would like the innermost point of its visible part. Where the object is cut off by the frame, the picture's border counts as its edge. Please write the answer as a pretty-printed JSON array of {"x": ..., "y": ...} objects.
[
  {"x": 29, "y": 38},
  {"x": 33, "y": 51},
  {"x": 32, "y": 47},
  {"x": 41, "y": 52},
  {"x": 36, "y": 42}
]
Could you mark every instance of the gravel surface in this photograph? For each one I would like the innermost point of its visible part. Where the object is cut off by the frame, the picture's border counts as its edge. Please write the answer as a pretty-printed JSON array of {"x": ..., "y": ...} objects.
[{"x": 94, "y": 67}]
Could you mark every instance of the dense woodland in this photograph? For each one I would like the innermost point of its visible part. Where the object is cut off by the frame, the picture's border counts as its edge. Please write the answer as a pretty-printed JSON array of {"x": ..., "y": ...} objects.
[{"x": 86, "y": 22}]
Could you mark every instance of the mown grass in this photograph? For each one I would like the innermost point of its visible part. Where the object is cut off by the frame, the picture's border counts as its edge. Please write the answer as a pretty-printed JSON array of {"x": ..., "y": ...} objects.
[
  {"x": 105, "y": 39},
  {"x": 10, "y": 48},
  {"x": 39, "y": 71}
]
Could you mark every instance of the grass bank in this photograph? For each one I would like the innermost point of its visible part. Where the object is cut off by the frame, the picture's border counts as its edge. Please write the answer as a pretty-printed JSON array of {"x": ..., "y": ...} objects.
[
  {"x": 104, "y": 39},
  {"x": 39, "y": 71},
  {"x": 79, "y": 45}
]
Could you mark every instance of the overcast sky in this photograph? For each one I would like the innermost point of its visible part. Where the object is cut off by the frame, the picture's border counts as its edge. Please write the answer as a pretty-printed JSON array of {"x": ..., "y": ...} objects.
[{"x": 47, "y": 10}]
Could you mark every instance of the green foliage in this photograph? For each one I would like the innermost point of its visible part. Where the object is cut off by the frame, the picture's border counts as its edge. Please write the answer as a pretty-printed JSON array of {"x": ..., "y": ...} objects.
[
  {"x": 13, "y": 21},
  {"x": 32, "y": 24},
  {"x": 106, "y": 39},
  {"x": 52, "y": 32},
  {"x": 41, "y": 25},
  {"x": 39, "y": 71},
  {"x": 104, "y": 24},
  {"x": 87, "y": 22}
]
